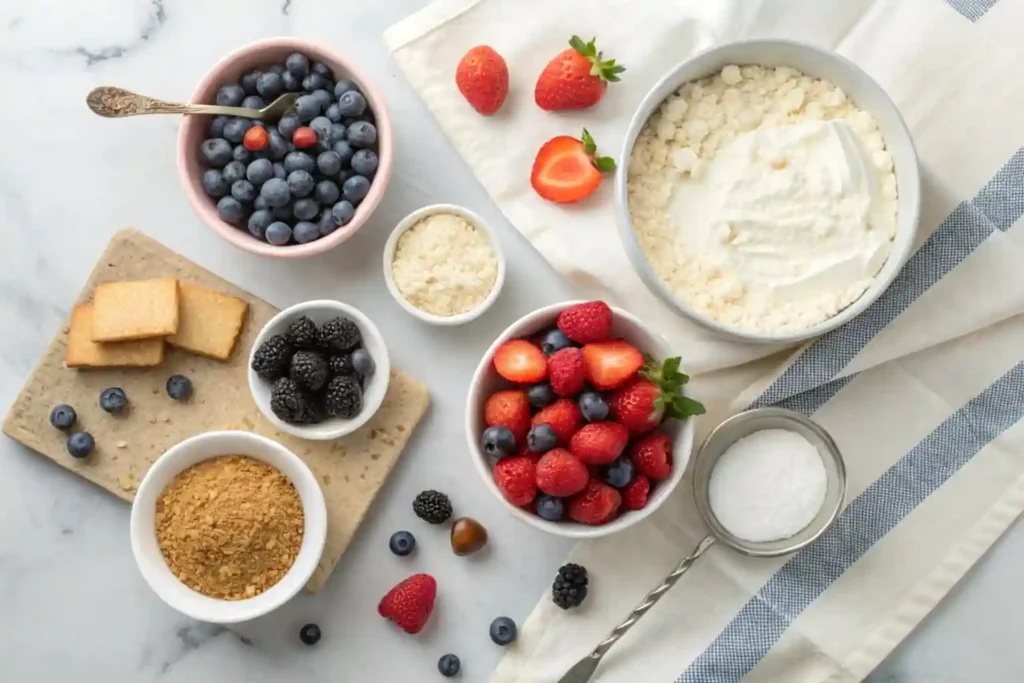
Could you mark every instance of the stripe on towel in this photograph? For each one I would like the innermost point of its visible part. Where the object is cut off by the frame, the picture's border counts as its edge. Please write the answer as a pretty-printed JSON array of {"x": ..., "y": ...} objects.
[{"x": 972, "y": 9}]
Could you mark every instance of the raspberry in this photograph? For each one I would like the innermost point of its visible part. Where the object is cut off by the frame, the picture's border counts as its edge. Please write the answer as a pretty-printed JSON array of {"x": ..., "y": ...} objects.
[
  {"x": 566, "y": 371},
  {"x": 634, "y": 496},
  {"x": 652, "y": 456},
  {"x": 587, "y": 322}
]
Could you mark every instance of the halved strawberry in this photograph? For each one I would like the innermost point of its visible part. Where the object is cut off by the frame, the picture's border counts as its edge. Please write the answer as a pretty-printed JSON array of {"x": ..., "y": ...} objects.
[
  {"x": 568, "y": 170},
  {"x": 517, "y": 360},
  {"x": 611, "y": 363}
]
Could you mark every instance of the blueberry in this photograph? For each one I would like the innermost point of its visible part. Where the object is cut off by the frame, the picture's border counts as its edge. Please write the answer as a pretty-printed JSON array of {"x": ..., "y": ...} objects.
[
  {"x": 540, "y": 395},
  {"x": 291, "y": 82},
  {"x": 322, "y": 69},
  {"x": 593, "y": 406},
  {"x": 253, "y": 102},
  {"x": 402, "y": 543},
  {"x": 216, "y": 152},
  {"x": 276, "y": 68},
  {"x": 364, "y": 162},
  {"x": 249, "y": 82},
  {"x": 554, "y": 340},
  {"x": 326, "y": 193},
  {"x": 216, "y": 128},
  {"x": 549, "y": 508},
  {"x": 80, "y": 444},
  {"x": 498, "y": 441},
  {"x": 214, "y": 183},
  {"x": 258, "y": 222},
  {"x": 343, "y": 212},
  {"x": 244, "y": 191},
  {"x": 234, "y": 130},
  {"x": 240, "y": 153},
  {"x": 504, "y": 631},
  {"x": 326, "y": 223},
  {"x": 260, "y": 171},
  {"x": 305, "y": 231},
  {"x": 283, "y": 212},
  {"x": 362, "y": 134},
  {"x": 343, "y": 86},
  {"x": 260, "y": 204},
  {"x": 355, "y": 189},
  {"x": 276, "y": 192},
  {"x": 307, "y": 108},
  {"x": 344, "y": 150},
  {"x": 270, "y": 86},
  {"x": 618, "y": 473},
  {"x": 288, "y": 124},
  {"x": 313, "y": 81},
  {"x": 362, "y": 361},
  {"x": 541, "y": 438},
  {"x": 297, "y": 64},
  {"x": 278, "y": 233},
  {"x": 235, "y": 170},
  {"x": 300, "y": 183},
  {"x": 329, "y": 162},
  {"x": 113, "y": 400},
  {"x": 304, "y": 210},
  {"x": 310, "y": 634},
  {"x": 230, "y": 95},
  {"x": 231, "y": 210},
  {"x": 279, "y": 171},
  {"x": 298, "y": 161},
  {"x": 321, "y": 125},
  {"x": 338, "y": 132},
  {"x": 333, "y": 113},
  {"x": 449, "y": 665},
  {"x": 323, "y": 97},
  {"x": 277, "y": 146},
  {"x": 63, "y": 416},
  {"x": 351, "y": 103},
  {"x": 179, "y": 387}
]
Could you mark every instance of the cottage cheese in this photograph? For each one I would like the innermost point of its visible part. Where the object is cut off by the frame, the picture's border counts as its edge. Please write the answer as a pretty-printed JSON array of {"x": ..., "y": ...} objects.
[
  {"x": 444, "y": 265},
  {"x": 763, "y": 198}
]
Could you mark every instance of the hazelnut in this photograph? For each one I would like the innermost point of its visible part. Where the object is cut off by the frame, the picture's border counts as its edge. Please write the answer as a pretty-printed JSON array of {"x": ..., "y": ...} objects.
[{"x": 468, "y": 536}]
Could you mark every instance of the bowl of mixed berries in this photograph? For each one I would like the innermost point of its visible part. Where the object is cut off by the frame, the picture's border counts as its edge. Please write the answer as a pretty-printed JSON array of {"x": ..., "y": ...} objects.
[
  {"x": 305, "y": 180},
  {"x": 577, "y": 419}
]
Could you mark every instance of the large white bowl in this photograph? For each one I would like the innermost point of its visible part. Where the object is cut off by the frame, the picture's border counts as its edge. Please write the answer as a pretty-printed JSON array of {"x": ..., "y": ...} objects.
[
  {"x": 486, "y": 381},
  {"x": 195, "y": 450},
  {"x": 813, "y": 61},
  {"x": 319, "y": 312}
]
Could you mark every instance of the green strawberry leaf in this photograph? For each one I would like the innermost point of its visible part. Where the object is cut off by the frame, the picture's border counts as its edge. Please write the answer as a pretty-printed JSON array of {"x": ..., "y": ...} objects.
[
  {"x": 589, "y": 146},
  {"x": 683, "y": 407},
  {"x": 584, "y": 48},
  {"x": 605, "y": 164},
  {"x": 670, "y": 368}
]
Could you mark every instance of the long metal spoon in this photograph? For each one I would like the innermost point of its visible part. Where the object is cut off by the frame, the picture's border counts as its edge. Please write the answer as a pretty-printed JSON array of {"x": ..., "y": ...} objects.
[{"x": 117, "y": 103}]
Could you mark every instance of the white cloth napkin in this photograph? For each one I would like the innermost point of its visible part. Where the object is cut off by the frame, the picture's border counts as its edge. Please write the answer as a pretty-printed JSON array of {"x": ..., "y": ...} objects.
[{"x": 924, "y": 392}]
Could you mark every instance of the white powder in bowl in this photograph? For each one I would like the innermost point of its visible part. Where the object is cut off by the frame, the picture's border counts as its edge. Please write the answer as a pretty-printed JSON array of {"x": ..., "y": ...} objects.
[
  {"x": 768, "y": 486},
  {"x": 444, "y": 265}
]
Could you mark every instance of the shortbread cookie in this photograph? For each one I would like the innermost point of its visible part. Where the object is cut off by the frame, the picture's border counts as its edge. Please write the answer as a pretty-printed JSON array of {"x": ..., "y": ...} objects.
[
  {"x": 209, "y": 322},
  {"x": 84, "y": 352},
  {"x": 135, "y": 310}
]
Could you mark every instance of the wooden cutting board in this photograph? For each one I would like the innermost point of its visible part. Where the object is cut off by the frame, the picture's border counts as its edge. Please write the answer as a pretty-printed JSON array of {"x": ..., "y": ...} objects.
[{"x": 351, "y": 470}]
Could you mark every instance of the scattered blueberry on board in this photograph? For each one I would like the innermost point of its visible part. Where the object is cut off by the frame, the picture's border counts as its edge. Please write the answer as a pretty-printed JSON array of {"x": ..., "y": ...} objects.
[
  {"x": 328, "y": 138},
  {"x": 504, "y": 631},
  {"x": 310, "y": 634},
  {"x": 179, "y": 387},
  {"x": 449, "y": 665},
  {"x": 63, "y": 417},
  {"x": 113, "y": 400},
  {"x": 80, "y": 444},
  {"x": 402, "y": 543}
]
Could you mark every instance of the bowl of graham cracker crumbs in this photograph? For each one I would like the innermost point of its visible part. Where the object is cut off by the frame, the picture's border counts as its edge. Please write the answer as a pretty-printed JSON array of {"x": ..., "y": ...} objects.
[{"x": 228, "y": 526}]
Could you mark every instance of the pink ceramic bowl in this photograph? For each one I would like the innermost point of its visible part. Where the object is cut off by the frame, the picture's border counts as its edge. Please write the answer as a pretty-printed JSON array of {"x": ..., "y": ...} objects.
[{"x": 193, "y": 132}]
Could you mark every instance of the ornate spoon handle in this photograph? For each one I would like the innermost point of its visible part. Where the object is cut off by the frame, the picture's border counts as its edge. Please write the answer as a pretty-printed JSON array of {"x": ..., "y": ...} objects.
[{"x": 117, "y": 103}]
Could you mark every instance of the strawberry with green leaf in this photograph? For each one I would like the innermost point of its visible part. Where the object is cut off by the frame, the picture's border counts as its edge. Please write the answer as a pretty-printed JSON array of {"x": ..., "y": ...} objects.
[
  {"x": 656, "y": 393},
  {"x": 576, "y": 78},
  {"x": 568, "y": 170}
]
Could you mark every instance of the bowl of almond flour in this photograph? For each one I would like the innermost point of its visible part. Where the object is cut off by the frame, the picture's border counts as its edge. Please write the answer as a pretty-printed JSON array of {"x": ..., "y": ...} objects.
[
  {"x": 228, "y": 526},
  {"x": 770, "y": 191}
]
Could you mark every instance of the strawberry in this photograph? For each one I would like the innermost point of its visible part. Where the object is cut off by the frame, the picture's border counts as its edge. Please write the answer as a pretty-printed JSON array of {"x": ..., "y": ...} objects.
[
  {"x": 303, "y": 137},
  {"x": 634, "y": 496},
  {"x": 516, "y": 478},
  {"x": 410, "y": 603},
  {"x": 566, "y": 372},
  {"x": 482, "y": 78},
  {"x": 611, "y": 363},
  {"x": 586, "y": 323},
  {"x": 576, "y": 78},
  {"x": 641, "y": 404},
  {"x": 256, "y": 138},
  {"x": 652, "y": 455},
  {"x": 599, "y": 443},
  {"x": 517, "y": 360},
  {"x": 560, "y": 473},
  {"x": 510, "y": 408},
  {"x": 594, "y": 505},
  {"x": 568, "y": 170},
  {"x": 564, "y": 417}
]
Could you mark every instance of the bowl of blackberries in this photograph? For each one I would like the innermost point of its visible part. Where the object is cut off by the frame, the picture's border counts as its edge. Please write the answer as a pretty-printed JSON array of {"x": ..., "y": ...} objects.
[
  {"x": 303, "y": 183},
  {"x": 319, "y": 370}
]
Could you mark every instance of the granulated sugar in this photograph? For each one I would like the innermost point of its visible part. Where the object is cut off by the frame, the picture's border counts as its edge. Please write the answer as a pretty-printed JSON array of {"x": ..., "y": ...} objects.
[{"x": 768, "y": 486}]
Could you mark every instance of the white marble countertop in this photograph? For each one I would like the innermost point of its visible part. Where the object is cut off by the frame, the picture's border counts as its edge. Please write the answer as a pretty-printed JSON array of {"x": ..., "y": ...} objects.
[{"x": 72, "y": 604}]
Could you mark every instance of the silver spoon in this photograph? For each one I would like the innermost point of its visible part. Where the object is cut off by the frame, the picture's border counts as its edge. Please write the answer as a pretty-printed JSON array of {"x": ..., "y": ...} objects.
[
  {"x": 117, "y": 103},
  {"x": 720, "y": 438}
]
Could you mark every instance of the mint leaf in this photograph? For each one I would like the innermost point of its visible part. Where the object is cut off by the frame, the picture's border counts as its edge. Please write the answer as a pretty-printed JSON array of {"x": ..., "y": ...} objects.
[{"x": 670, "y": 368}]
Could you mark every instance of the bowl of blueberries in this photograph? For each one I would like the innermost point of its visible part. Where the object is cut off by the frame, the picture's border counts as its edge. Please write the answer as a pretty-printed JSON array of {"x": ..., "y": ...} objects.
[{"x": 302, "y": 184}]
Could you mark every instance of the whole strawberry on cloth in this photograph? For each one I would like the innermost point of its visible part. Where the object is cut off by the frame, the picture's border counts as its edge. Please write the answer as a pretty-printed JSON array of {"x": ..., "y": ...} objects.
[
  {"x": 576, "y": 78},
  {"x": 482, "y": 78}
]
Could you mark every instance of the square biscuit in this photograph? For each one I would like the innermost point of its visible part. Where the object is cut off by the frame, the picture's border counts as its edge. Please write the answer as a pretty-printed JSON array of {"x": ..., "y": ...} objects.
[
  {"x": 84, "y": 352},
  {"x": 209, "y": 322},
  {"x": 135, "y": 310}
]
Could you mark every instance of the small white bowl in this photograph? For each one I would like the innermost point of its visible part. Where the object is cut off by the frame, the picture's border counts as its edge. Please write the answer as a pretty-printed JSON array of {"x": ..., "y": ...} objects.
[
  {"x": 319, "y": 312},
  {"x": 195, "y": 450},
  {"x": 486, "y": 381},
  {"x": 474, "y": 220}
]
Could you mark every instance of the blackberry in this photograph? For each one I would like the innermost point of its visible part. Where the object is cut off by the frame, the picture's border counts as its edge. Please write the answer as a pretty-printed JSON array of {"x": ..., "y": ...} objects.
[
  {"x": 290, "y": 403},
  {"x": 433, "y": 507},
  {"x": 344, "y": 397},
  {"x": 302, "y": 334},
  {"x": 272, "y": 358},
  {"x": 340, "y": 335},
  {"x": 309, "y": 369},
  {"x": 341, "y": 365},
  {"x": 570, "y": 586}
]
